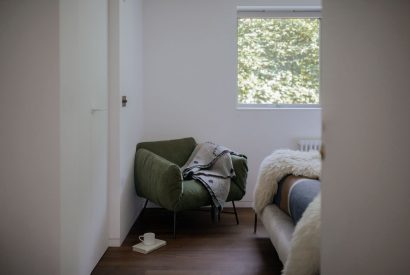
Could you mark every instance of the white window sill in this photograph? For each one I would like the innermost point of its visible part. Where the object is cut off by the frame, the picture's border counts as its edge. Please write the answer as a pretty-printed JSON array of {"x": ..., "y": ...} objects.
[{"x": 278, "y": 107}]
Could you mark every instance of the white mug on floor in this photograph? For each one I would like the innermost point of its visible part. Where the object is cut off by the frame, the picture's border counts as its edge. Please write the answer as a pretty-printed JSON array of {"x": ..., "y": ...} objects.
[{"x": 147, "y": 238}]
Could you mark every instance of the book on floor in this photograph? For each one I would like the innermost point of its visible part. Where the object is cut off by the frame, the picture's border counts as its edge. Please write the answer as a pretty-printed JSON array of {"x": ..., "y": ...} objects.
[{"x": 142, "y": 248}]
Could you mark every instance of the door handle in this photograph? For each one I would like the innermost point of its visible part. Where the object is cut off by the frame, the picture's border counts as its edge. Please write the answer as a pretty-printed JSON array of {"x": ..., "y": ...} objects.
[{"x": 93, "y": 110}]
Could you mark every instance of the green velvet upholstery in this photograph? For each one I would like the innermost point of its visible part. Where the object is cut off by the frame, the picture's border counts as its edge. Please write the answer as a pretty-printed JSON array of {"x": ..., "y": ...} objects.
[
  {"x": 158, "y": 177},
  {"x": 176, "y": 151}
]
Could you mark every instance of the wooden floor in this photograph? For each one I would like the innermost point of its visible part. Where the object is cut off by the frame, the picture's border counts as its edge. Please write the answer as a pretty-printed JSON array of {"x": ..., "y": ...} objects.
[{"x": 200, "y": 247}]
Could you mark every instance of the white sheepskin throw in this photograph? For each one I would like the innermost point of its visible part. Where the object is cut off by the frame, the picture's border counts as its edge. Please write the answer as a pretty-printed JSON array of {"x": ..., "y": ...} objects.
[
  {"x": 304, "y": 254},
  {"x": 279, "y": 164}
]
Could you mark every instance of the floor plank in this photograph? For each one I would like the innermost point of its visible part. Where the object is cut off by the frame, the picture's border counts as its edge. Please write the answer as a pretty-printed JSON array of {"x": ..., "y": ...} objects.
[{"x": 201, "y": 247}]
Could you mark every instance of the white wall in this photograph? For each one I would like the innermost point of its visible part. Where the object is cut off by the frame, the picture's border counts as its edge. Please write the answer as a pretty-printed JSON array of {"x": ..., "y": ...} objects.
[
  {"x": 29, "y": 138},
  {"x": 83, "y": 145},
  {"x": 365, "y": 213},
  {"x": 126, "y": 79},
  {"x": 190, "y": 82}
]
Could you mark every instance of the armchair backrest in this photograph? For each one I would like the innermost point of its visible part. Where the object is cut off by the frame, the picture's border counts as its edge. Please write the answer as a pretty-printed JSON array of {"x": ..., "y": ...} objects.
[{"x": 176, "y": 151}]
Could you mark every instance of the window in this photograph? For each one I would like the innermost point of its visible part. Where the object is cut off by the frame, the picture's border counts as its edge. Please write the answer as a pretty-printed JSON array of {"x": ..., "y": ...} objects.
[{"x": 278, "y": 58}]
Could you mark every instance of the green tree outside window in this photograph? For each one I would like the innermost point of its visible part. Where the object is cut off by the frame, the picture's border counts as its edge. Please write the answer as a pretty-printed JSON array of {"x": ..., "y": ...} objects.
[{"x": 278, "y": 61}]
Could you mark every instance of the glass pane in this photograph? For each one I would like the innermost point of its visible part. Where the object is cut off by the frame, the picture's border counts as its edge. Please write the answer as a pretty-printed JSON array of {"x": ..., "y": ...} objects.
[{"x": 278, "y": 61}]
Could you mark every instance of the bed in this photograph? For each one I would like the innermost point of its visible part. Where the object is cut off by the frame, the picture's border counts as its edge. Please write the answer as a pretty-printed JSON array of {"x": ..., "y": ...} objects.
[{"x": 297, "y": 245}]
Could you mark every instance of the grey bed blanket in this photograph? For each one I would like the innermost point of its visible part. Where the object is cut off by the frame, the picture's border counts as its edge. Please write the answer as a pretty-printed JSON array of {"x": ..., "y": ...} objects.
[
  {"x": 294, "y": 195},
  {"x": 211, "y": 164}
]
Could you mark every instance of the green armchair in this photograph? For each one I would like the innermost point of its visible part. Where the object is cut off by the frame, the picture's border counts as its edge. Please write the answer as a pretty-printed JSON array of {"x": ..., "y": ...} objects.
[{"x": 158, "y": 177}]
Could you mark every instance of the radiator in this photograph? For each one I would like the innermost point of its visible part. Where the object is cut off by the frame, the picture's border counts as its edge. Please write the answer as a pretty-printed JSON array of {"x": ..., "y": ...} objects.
[{"x": 309, "y": 144}]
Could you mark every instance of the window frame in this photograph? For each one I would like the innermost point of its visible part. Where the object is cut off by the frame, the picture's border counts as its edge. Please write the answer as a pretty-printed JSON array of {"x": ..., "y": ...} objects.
[{"x": 277, "y": 12}]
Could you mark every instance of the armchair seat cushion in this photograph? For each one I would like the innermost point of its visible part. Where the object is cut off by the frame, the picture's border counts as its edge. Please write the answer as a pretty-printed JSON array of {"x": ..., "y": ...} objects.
[{"x": 195, "y": 195}]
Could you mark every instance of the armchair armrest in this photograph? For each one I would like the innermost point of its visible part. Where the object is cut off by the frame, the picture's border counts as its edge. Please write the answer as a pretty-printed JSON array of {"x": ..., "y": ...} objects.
[
  {"x": 157, "y": 179},
  {"x": 241, "y": 170}
]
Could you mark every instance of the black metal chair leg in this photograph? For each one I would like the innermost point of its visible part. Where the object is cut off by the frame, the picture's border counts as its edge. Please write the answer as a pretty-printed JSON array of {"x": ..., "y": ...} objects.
[
  {"x": 236, "y": 214},
  {"x": 255, "y": 223},
  {"x": 175, "y": 223},
  {"x": 143, "y": 209}
]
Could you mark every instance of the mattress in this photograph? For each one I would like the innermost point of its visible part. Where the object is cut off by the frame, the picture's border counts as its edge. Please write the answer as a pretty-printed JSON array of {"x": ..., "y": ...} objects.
[{"x": 279, "y": 227}]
